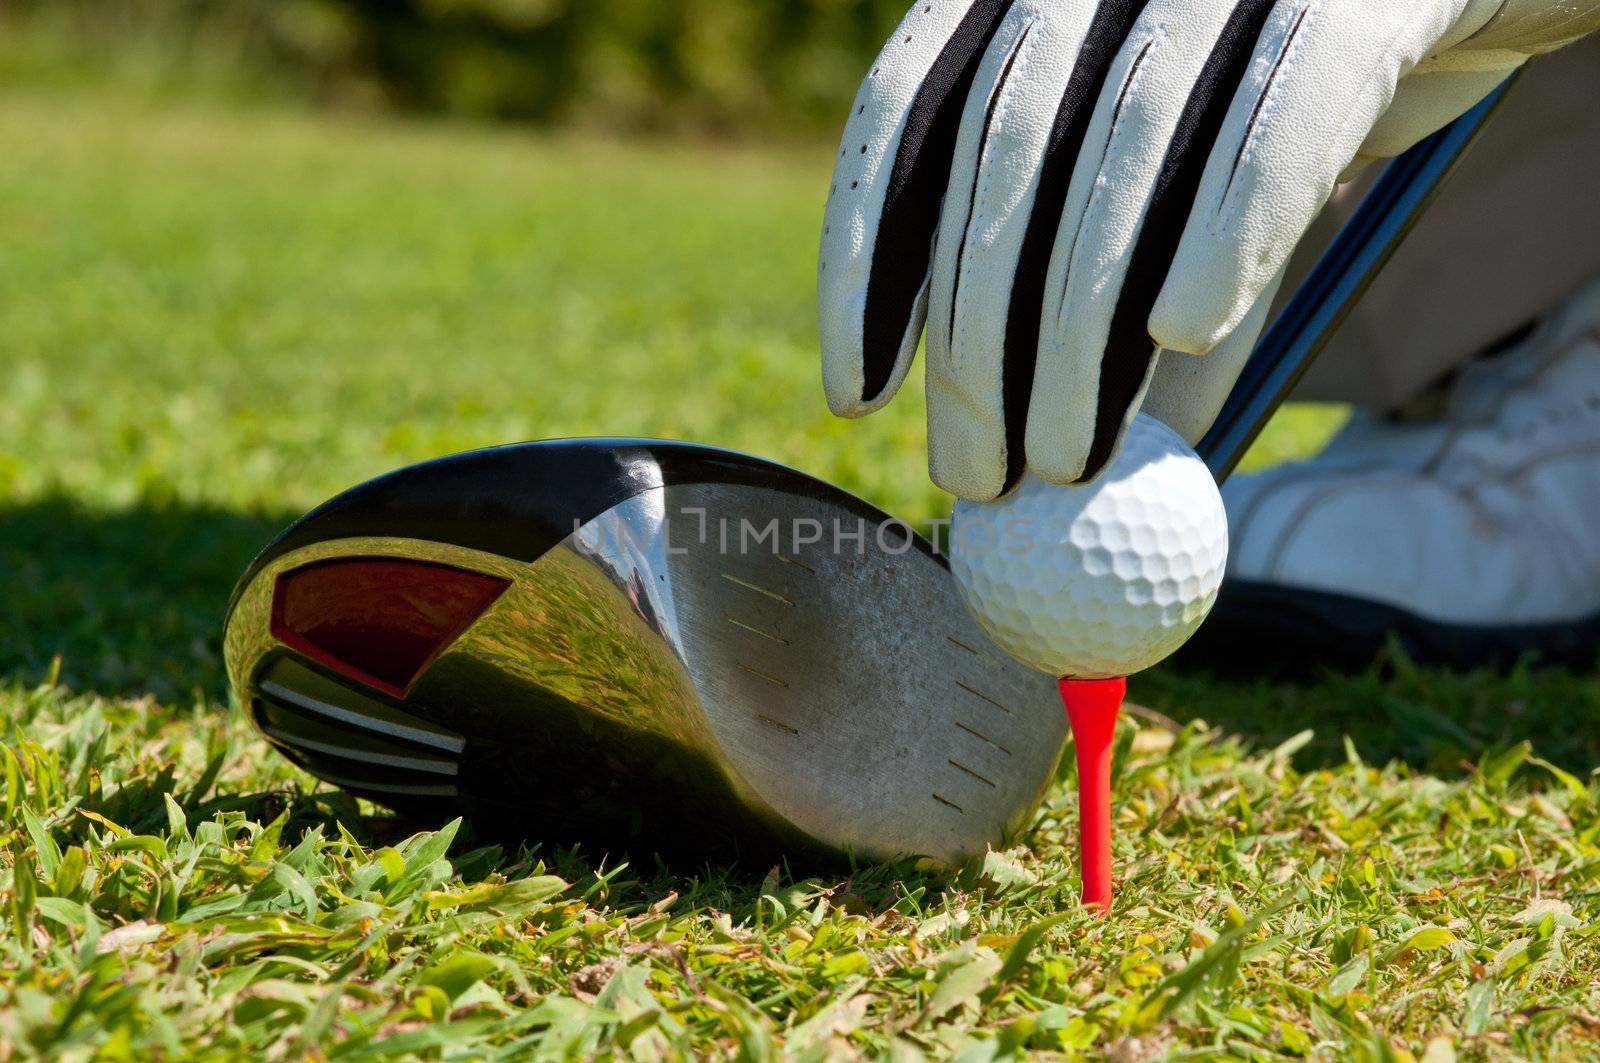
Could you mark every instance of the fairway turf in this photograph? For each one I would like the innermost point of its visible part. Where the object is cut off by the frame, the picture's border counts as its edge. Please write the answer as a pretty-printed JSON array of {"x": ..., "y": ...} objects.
[{"x": 213, "y": 319}]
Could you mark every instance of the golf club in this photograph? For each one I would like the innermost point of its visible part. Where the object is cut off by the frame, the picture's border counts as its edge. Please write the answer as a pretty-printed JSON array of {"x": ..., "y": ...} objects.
[{"x": 641, "y": 643}]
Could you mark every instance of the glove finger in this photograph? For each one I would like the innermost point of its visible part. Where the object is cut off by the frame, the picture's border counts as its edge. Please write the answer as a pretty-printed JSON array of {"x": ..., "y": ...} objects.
[
  {"x": 1187, "y": 391},
  {"x": 883, "y": 207},
  {"x": 1022, "y": 130},
  {"x": 1425, "y": 101},
  {"x": 1130, "y": 196},
  {"x": 1322, "y": 75}
]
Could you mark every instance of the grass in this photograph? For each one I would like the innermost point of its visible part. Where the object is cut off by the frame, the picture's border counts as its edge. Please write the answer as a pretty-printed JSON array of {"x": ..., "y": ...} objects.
[{"x": 214, "y": 319}]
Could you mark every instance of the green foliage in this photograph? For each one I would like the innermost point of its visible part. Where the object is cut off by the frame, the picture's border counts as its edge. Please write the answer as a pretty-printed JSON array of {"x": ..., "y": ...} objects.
[
  {"x": 158, "y": 907},
  {"x": 709, "y": 65}
]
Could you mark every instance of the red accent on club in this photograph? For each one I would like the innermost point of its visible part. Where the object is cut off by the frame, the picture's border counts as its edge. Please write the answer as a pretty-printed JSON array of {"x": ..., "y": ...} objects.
[
  {"x": 1092, "y": 707},
  {"x": 378, "y": 620}
]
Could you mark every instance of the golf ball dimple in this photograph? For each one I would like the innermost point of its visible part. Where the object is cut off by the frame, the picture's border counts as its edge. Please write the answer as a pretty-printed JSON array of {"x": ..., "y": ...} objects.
[{"x": 1103, "y": 579}]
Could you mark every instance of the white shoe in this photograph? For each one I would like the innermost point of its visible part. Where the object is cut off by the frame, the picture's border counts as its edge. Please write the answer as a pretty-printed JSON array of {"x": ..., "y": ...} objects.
[{"x": 1473, "y": 537}]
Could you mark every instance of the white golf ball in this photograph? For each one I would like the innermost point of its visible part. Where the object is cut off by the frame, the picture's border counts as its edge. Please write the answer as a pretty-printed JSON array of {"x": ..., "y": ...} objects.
[{"x": 1099, "y": 580}]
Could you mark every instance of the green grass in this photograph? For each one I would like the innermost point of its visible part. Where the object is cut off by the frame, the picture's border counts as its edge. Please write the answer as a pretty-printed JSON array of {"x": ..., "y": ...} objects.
[{"x": 212, "y": 320}]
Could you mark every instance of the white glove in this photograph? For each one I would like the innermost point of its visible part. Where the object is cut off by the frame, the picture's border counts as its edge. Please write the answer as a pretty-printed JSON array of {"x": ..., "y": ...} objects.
[{"x": 1061, "y": 187}]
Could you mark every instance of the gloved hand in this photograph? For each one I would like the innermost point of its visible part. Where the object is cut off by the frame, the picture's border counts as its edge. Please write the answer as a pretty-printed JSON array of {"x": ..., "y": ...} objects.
[{"x": 1065, "y": 189}]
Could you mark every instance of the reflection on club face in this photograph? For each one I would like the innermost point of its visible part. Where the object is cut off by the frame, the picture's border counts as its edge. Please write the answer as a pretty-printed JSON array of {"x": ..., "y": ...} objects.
[{"x": 643, "y": 646}]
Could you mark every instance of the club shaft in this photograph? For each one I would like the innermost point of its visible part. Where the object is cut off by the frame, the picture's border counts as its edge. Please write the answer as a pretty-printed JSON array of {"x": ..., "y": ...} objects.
[{"x": 1341, "y": 276}]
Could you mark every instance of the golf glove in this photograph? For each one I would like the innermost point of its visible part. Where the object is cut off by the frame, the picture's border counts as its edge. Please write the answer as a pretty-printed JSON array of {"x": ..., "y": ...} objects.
[{"x": 1078, "y": 197}]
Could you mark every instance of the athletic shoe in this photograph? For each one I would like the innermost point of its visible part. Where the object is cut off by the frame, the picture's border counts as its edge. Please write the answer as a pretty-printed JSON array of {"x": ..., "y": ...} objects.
[{"x": 1471, "y": 536}]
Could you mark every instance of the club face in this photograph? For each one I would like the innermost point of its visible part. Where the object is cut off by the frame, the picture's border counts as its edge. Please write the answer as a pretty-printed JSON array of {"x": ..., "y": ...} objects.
[{"x": 720, "y": 656}]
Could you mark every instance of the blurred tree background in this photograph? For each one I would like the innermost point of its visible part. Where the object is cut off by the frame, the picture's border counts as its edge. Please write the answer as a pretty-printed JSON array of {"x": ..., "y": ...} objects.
[{"x": 774, "y": 68}]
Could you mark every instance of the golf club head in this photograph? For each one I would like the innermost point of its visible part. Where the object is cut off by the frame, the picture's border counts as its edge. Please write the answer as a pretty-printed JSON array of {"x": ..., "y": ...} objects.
[{"x": 643, "y": 646}]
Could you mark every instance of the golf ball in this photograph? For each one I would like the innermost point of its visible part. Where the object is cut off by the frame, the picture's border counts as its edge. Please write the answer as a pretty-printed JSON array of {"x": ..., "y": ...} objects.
[{"x": 1102, "y": 579}]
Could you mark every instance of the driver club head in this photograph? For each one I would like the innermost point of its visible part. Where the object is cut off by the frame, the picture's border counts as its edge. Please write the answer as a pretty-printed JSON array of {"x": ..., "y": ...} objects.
[{"x": 642, "y": 646}]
